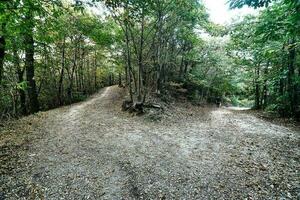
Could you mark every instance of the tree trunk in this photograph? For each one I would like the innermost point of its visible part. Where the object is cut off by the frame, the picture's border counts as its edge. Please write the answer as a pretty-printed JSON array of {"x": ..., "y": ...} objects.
[
  {"x": 158, "y": 52},
  {"x": 126, "y": 69},
  {"x": 22, "y": 93},
  {"x": 257, "y": 88},
  {"x": 2, "y": 52},
  {"x": 29, "y": 64},
  {"x": 182, "y": 63},
  {"x": 20, "y": 74},
  {"x": 70, "y": 88},
  {"x": 291, "y": 73},
  {"x": 265, "y": 89},
  {"x": 186, "y": 65},
  {"x": 128, "y": 59},
  {"x": 158, "y": 79},
  {"x": 95, "y": 71},
  {"x": 120, "y": 79},
  {"x": 62, "y": 72},
  {"x": 281, "y": 80},
  {"x": 140, "y": 62}
]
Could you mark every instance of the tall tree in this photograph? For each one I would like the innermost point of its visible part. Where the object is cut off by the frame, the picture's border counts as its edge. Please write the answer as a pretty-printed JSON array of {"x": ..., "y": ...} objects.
[{"x": 29, "y": 56}]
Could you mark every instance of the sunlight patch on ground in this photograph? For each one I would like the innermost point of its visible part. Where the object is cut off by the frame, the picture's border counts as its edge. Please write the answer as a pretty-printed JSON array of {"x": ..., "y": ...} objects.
[{"x": 238, "y": 108}]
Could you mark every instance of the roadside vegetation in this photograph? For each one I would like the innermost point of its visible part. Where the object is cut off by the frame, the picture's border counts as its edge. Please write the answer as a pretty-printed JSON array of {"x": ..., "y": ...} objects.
[
  {"x": 57, "y": 52},
  {"x": 185, "y": 85}
]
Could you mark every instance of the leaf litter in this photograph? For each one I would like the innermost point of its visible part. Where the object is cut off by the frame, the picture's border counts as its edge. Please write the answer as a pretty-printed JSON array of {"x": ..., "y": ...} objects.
[{"x": 93, "y": 150}]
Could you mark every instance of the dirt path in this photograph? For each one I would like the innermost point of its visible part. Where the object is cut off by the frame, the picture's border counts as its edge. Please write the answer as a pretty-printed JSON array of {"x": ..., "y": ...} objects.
[{"x": 91, "y": 150}]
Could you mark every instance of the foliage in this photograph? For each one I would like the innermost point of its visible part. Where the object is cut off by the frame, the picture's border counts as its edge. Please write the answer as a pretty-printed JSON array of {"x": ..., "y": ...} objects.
[
  {"x": 70, "y": 50},
  {"x": 56, "y": 52},
  {"x": 267, "y": 46}
]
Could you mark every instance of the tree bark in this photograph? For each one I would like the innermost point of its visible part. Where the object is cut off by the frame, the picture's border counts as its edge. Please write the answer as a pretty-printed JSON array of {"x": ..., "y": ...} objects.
[
  {"x": 186, "y": 65},
  {"x": 120, "y": 79},
  {"x": 158, "y": 52},
  {"x": 20, "y": 74},
  {"x": 71, "y": 77},
  {"x": 282, "y": 80},
  {"x": 62, "y": 72},
  {"x": 95, "y": 71},
  {"x": 140, "y": 60},
  {"x": 128, "y": 59},
  {"x": 265, "y": 89},
  {"x": 2, "y": 51},
  {"x": 291, "y": 75},
  {"x": 29, "y": 64},
  {"x": 181, "y": 68},
  {"x": 257, "y": 88}
]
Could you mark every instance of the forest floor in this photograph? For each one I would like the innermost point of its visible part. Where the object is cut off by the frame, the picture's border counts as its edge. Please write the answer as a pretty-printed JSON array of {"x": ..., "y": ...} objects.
[{"x": 93, "y": 150}]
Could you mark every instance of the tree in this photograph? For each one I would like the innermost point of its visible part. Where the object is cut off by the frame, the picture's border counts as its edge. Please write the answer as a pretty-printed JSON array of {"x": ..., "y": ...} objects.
[
  {"x": 54, "y": 55},
  {"x": 272, "y": 42},
  {"x": 29, "y": 56}
]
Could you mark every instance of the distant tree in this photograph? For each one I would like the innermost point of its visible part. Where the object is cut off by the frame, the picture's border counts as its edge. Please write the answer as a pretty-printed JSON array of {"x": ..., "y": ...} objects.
[{"x": 270, "y": 44}]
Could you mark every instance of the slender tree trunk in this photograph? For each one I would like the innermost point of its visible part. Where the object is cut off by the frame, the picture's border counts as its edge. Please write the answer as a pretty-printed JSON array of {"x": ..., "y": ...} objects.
[
  {"x": 257, "y": 88},
  {"x": 88, "y": 78},
  {"x": 181, "y": 68},
  {"x": 265, "y": 89},
  {"x": 20, "y": 74},
  {"x": 70, "y": 88},
  {"x": 62, "y": 72},
  {"x": 110, "y": 79},
  {"x": 29, "y": 64},
  {"x": 128, "y": 59},
  {"x": 95, "y": 71},
  {"x": 281, "y": 80},
  {"x": 186, "y": 66},
  {"x": 22, "y": 94},
  {"x": 126, "y": 70},
  {"x": 81, "y": 75},
  {"x": 140, "y": 62},
  {"x": 77, "y": 79},
  {"x": 158, "y": 59},
  {"x": 158, "y": 79},
  {"x": 120, "y": 79},
  {"x": 2, "y": 51},
  {"x": 163, "y": 74},
  {"x": 291, "y": 74},
  {"x": 134, "y": 79}
]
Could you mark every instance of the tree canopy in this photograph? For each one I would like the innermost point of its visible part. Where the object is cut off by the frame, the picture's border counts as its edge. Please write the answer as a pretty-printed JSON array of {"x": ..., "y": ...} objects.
[{"x": 57, "y": 52}]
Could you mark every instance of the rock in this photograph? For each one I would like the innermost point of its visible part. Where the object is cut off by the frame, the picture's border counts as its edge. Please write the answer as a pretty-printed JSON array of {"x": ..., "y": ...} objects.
[
  {"x": 263, "y": 167},
  {"x": 156, "y": 106}
]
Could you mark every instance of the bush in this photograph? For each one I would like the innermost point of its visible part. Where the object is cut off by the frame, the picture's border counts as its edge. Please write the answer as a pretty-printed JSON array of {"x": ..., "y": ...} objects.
[
  {"x": 273, "y": 108},
  {"x": 235, "y": 101}
]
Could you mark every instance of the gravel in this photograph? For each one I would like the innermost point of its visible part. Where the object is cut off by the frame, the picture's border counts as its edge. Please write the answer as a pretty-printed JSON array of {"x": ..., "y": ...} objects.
[{"x": 93, "y": 150}]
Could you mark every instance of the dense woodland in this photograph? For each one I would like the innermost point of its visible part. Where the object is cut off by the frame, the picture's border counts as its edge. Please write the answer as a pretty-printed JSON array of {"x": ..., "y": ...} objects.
[{"x": 56, "y": 52}]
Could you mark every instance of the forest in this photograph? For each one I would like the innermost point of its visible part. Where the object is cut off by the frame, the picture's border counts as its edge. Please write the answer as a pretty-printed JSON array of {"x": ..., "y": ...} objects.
[
  {"x": 149, "y": 99},
  {"x": 54, "y": 53}
]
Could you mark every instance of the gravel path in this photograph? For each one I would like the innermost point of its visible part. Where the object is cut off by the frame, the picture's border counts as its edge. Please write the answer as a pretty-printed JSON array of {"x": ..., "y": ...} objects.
[{"x": 91, "y": 150}]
